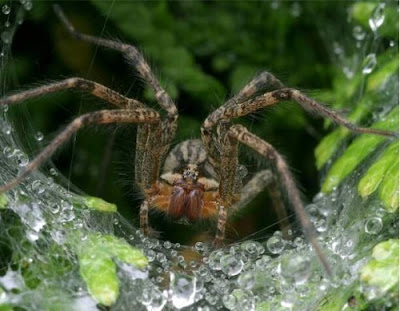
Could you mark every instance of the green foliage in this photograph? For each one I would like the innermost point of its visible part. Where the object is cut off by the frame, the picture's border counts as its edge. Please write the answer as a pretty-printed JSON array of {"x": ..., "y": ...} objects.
[
  {"x": 345, "y": 90},
  {"x": 3, "y": 201},
  {"x": 357, "y": 151},
  {"x": 99, "y": 204},
  {"x": 363, "y": 11},
  {"x": 96, "y": 255},
  {"x": 383, "y": 270},
  {"x": 378, "y": 171}
]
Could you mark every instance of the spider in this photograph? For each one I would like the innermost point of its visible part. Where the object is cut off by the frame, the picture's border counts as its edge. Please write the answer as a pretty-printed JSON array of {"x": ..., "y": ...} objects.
[{"x": 200, "y": 178}]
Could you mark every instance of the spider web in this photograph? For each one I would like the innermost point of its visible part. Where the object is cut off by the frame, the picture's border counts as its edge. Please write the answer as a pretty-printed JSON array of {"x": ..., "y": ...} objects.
[{"x": 61, "y": 251}]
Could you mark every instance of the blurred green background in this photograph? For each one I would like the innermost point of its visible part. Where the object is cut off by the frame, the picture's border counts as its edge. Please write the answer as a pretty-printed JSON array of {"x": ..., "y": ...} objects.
[{"x": 202, "y": 52}]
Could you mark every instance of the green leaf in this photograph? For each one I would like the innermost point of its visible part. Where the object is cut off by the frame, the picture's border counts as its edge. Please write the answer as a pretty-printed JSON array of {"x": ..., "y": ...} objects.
[
  {"x": 383, "y": 270},
  {"x": 123, "y": 251},
  {"x": 97, "y": 268},
  {"x": 377, "y": 171},
  {"x": 100, "y": 275},
  {"x": 3, "y": 201},
  {"x": 379, "y": 77},
  {"x": 376, "y": 80},
  {"x": 99, "y": 204},
  {"x": 389, "y": 189},
  {"x": 4, "y": 306},
  {"x": 358, "y": 151}
]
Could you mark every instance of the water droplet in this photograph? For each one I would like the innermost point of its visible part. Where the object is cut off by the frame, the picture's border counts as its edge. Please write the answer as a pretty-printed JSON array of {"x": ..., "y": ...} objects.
[
  {"x": 67, "y": 216},
  {"x": 167, "y": 244},
  {"x": 337, "y": 49},
  {"x": 58, "y": 237},
  {"x": 296, "y": 269},
  {"x": 348, "y": 72},
  {"x": 6, "y": 9},
  {"x": 5, "y": 127},
  {"x": 214, "y": 260},
  {"x": 369, "y": 64},
  {"x": 55, "y": 208},
  {"x": 263, "y": 261},
  {"x": 239, "y": 300},
  {"x": 247, "y": 279},
  {"x": 200, "y": 246},
  {"x": 38, "y": 186},
  {"x": 324, "y": 284},
  {"x": 6, "y": 37},
  {"x": 295, "y": 9},
  {"x": 377, "y": 17},
  {"x": 53, "y": 172},
  {"x": 28, "y": 5},
  {"x": 32, "y": 235},
  {"x": 358, "y": 33},
  {"x": 151, "y": 255},
  {"x": 299, "y": 242},
  {"x": 7, "y": 24},
  {"x": 321, "y": 225},
  {"x": 39, "y": 136},
  {"x": 275, "y": 4},
  {"x": 8, "y": 152},
  {"x": 252, "y": 249},
  {"x": 162, "y": 258},
  {"x": 20, "y": 19},
  {"x": 391, "y": 43},
  {"x": 152, "y": 298},
  {"x": 275, "y": 245},
  {"x": 231, "y": 265},
  {"x": 288, "y": 301},
  {"x": 211, "y": 299},
  {"x": 22, "y": 158},
  {"x": 183, "y": 290},
  {"x": 373, "y": 225}
]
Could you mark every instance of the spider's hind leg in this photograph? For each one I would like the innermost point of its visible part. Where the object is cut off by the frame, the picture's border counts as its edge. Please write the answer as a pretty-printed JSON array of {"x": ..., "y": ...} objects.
[
  {"x": 265, "y": 180},
  {"x": 241, "y": 134}
]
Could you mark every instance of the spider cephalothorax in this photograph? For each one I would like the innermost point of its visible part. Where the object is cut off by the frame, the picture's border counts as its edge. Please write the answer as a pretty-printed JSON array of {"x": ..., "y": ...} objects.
[{"x": 203, "y": 178}]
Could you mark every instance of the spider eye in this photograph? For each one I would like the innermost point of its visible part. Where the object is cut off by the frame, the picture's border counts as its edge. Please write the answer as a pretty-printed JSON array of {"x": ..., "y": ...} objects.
[{"x": 190, "y": 173}]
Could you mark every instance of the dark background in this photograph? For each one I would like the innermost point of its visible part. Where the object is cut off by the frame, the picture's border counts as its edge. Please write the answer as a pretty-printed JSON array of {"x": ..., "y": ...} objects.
[{"x": 202, "y": 52}]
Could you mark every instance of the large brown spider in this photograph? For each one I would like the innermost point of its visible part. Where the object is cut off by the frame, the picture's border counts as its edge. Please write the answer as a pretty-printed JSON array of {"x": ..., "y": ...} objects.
[{"x": 200, "y": 178}]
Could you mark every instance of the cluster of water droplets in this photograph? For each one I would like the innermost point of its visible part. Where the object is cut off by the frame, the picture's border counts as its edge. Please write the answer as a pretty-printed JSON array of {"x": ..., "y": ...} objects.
[
  {"x": 360, "y": 53},
  {"x": 283, "y": 273}
]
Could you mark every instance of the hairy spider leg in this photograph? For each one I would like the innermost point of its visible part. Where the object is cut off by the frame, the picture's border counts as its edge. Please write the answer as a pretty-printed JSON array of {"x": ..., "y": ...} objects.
[
  {"x": 140, "y": 115},
  {"x": 96, "y": 89},
  {"x": 258, "y": 83},
  {"x": 135, "y": 58},
  {"x": 240, "y": 133},
  {"x": 224, "y": 114},
  {"x": 153, "y": 141},
  {"x": 265, "y": 180}
]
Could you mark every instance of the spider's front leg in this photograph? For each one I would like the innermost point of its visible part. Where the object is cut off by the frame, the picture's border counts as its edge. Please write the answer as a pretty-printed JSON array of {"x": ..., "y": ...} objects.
[
  {"x": 152, "y": 141},
  {"x": 140, "y": 115},
  {"x": 229, "y": 190},
  {"x": 241, "y": 134}
]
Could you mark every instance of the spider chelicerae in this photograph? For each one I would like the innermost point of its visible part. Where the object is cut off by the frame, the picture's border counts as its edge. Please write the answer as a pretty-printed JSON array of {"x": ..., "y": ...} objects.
[{"x": 200, "y": 178}]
